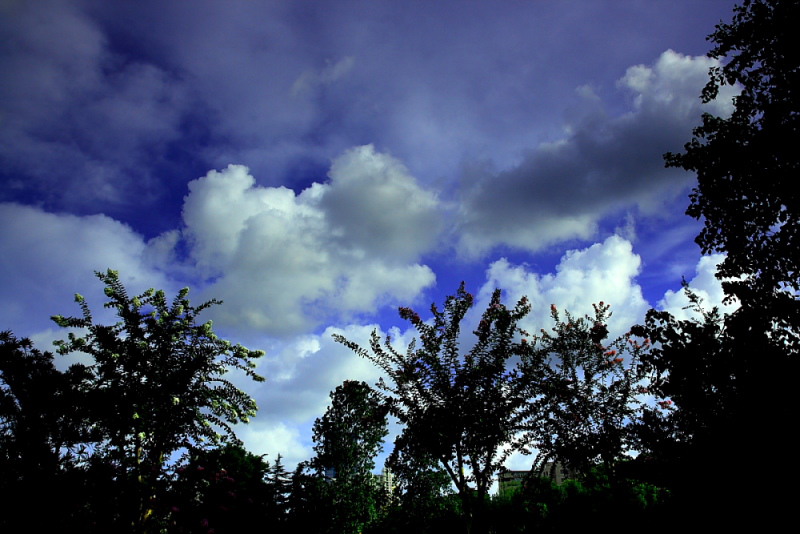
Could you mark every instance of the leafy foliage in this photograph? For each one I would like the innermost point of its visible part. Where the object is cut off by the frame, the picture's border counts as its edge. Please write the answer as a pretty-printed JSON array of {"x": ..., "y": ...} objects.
[
  {"x": 458, "y": 410},
  {"x": 577, "y": 505},
  {"x": 156, "y": 384},
  {"x": 309, "y": 510},
  {"x": 746, "y": 167},
  {"x": 225, "y": 489},
  {"x": 280, "y": 484},
  {"x": 589, "y": 391},
  {"x": 348, "y": 437},
  {"x": 564, "y": 393},
  {"x": 747, "y": 164},
  {"x": 37, "y": 406},
  {"x": 691, "y": 367},
  {"x": 42, "y": 427}
]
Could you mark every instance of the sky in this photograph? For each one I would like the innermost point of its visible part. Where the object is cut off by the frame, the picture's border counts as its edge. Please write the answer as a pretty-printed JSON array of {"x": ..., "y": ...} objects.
[{"x": 317, "y": 164}]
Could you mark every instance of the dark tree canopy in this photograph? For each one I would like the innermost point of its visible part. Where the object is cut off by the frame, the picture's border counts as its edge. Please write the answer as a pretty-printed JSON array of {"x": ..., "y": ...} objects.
[
  {"x": 225, "y": 490},
  {"x": 692, "y": 368},
  {"x": 37, "y": 409},
  {"x": 569, "y": 394},
  {"x": 589, "y": 391},
  {"x": 747, "y": 164},
  {"x": 347, "y": 439},
  {"x": 158, "y": 375},
  {"x": 156, "y": 384},
  {"x": 733, "y": 378},
  {"x": 460, "y": 410},
  {"x": 42, "y": 429}
]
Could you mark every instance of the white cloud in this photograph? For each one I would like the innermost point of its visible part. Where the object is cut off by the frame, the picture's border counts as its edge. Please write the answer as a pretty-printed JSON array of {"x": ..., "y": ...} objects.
[
  {"x": 379, "y": 207},
  {"x": 705, "y": 285},
  {"x": 54, "y": 256},
  {"x": 282, "y": 262},
  {"x": 273, "y": 438},
  {"x": 602, "y": 272},
  {"x": 672, "y": 84},
  {"x": 301, "y": 373}
]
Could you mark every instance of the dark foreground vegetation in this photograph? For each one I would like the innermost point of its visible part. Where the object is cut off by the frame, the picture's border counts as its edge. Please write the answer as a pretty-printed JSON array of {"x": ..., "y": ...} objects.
[{"x": 677, "y": 423}]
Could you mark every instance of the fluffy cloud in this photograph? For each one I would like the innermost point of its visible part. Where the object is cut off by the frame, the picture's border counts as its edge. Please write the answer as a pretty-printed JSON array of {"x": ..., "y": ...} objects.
[
  {"x": 51, "y": 257},
  {"x": 705, "y": 285},
  {"x": 283, "y": 261},
  {"x": 300, "y": 374},
  {"x": 301, "y": 371},
  {"x": 604, "y": 166},
  {"x": 377, "y": 206},
  {"x": 602, "y": 272}
]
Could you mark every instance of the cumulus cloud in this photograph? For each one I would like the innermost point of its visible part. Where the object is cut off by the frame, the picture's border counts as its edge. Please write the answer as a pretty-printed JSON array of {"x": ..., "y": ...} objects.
[
  {"x": 602, "y": 272},
  {"x": 64, "y": 250},
  {"x": 604, "y": 166},
  {"x": 376, "y": 205},
  {"x": 301, "y": 372},
  {"x": 54, "y": 257},
  {"x": 704, "y": 285},
  {"x": 283, "y": 261}
]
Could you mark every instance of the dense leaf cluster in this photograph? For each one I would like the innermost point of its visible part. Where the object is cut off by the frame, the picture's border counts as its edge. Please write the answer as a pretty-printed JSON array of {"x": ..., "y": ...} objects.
[
  {"x": 348, "y": 437},
  {"x": 588, "y": 392},
  {"x": 733, "y": 377},
  {"x": 747, "y": 163},
  {"x": 459, "y": 410},
  {"x": 154, "y": 386},
  {"x": 564, "y": 394},
  {"x": 157, "y": 377}
]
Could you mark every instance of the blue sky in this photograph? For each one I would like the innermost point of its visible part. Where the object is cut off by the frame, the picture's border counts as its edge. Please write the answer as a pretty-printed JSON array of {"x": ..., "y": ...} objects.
[{"x": 315, "y": 165}]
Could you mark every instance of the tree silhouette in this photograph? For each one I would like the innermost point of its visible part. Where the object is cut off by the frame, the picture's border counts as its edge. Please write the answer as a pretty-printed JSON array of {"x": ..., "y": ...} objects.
[
  {"x": 43, "y": 427},
  {"x": 747, "y": 164},
  {"x": 224, "y": 489},
  {"x": 459, "y": 410},
  {"x": 156, "y": 386},
  {"x": 347, "y": 438},
  {"x": 746, "y": 167},
  {"x": 589, "y": 392},
  {"x": 563, "y": 393}
]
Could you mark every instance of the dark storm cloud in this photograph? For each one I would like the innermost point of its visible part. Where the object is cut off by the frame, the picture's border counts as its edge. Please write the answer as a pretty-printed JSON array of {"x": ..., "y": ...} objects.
[{"x": 604, "y": 164}]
